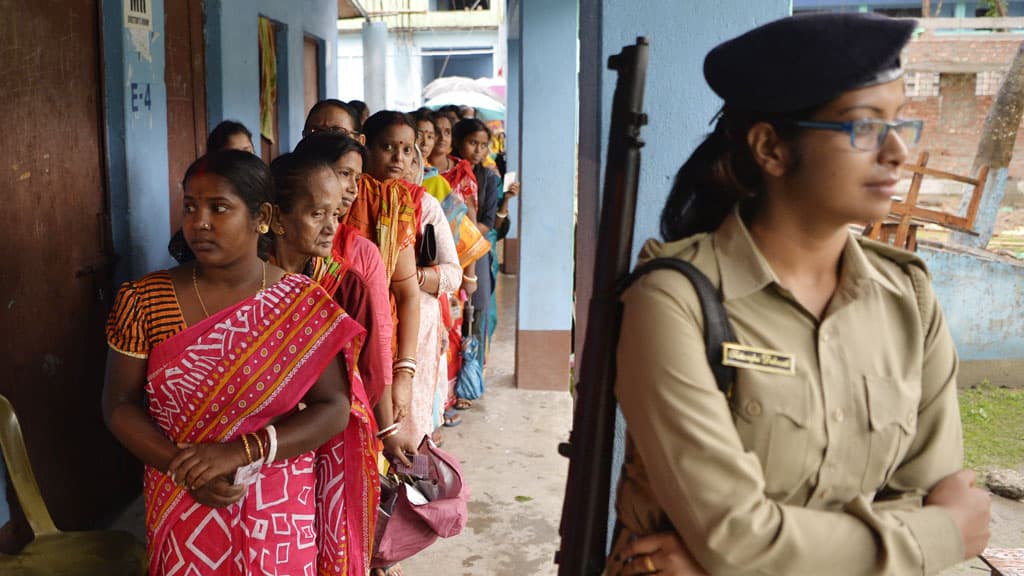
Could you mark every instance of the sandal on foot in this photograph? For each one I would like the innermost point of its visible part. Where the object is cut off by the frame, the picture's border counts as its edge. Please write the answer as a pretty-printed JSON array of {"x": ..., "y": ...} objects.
[
  {"x": 463, "y": 404},
  {"x": 452, "y": 419}
]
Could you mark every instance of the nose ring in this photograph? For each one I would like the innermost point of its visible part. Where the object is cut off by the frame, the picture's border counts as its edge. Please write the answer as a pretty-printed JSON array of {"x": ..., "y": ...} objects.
[{"x": 204, "y": 226}]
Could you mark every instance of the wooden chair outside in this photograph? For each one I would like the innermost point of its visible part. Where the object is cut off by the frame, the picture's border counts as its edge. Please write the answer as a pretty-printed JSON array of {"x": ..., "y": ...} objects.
[
  {"x": 53, "y": 552},
  {"x": 905, "y": 217},
  {"x": 1004, "y": 561}
]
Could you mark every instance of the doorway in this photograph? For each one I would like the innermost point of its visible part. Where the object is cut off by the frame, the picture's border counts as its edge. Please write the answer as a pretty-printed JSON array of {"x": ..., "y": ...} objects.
[
  {"x": 55, "y": 287},
  {"x": 185, "y": 75}
]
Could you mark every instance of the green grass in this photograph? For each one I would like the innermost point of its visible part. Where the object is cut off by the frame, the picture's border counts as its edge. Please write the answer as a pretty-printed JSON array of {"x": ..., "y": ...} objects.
[{"x": 993, "y": 427}]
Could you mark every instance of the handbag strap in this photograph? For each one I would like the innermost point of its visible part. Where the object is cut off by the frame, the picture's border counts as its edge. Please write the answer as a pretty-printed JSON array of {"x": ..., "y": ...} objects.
[{"x": 717, "y": 329}]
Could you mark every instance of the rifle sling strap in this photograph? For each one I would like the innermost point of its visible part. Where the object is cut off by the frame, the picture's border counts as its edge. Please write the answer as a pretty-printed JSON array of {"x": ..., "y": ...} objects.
[{"x": 717, "y": 329}]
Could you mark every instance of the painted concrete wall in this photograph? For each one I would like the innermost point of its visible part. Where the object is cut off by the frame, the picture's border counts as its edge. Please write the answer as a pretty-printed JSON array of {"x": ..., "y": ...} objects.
[
  {"x": 136, "y": 109},
  {"x": 403, "y": 61},
  {"x": 982, "y": 300},
  {"x": 232, "y": 60},
  {"x": 678, "y": 101},
  {"x": 547, "y": 163}
]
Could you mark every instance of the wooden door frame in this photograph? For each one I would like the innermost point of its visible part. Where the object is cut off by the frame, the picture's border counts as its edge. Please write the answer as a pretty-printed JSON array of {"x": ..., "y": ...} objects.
[{"x": 196, "y": 24}]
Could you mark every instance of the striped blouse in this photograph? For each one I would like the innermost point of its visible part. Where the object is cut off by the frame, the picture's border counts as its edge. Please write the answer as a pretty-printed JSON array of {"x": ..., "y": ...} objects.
[{"x": 145, "y": 313}]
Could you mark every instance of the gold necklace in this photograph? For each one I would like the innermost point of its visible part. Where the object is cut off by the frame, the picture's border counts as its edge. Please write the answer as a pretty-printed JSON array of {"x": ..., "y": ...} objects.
[{"x": 195, "y": 284}]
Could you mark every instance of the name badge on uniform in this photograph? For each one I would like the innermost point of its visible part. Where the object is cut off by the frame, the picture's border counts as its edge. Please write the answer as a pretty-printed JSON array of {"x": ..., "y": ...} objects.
[{"x": 739, "y": 356}]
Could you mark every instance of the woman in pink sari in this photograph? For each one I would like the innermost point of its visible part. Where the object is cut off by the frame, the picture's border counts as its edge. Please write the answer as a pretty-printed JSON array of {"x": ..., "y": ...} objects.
[{"x": 224, "y": 349}]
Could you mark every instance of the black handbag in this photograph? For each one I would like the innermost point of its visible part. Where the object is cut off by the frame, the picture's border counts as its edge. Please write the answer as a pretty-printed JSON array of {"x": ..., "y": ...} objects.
[{"x": 426, "y": 254}]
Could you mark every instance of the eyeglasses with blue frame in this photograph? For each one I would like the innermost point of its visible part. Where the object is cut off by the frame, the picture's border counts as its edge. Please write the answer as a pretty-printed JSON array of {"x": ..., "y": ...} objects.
[{"x": 868, "y": 134}]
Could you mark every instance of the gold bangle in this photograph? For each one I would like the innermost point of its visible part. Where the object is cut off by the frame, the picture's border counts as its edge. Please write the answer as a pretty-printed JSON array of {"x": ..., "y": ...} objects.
[
  {"x": 407, "y": 370},
  {"x": 501, "y": 214},
  {"x": 388, "y": 435},
  {"x": 259, "y": 444},
  {"x": 248, "y": 451}
]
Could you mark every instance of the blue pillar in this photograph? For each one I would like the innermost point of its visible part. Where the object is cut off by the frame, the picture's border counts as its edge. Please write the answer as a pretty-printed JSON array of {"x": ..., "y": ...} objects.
[
  {"x": 375, "y": 69},
  {"x": 548, "y": 170},
  {"x": 513, "y": 139},
  {"x": 136, "y": 109},
  {"x": 513, "y": 111}
]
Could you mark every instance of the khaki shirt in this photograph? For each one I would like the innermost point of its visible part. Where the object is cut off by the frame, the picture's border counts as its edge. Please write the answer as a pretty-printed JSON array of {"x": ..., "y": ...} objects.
[{"x": 822, "y": 471}]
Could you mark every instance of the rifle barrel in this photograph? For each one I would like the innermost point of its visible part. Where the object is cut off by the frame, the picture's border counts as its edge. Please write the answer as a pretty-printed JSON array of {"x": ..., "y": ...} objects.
[{"x": 584, "y": 525}]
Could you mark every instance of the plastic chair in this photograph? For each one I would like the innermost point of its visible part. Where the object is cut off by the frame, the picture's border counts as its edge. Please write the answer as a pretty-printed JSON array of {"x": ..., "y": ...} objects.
[{"x": 52, "y": 552}]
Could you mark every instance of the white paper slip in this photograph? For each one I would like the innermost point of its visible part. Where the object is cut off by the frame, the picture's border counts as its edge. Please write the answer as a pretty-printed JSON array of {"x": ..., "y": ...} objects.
[{"x": 510, "y": 179}]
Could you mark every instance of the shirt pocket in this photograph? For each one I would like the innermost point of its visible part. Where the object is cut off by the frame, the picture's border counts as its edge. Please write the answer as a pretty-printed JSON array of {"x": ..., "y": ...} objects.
[
  {"x": 771, "y": 416},
  {"x": 892, "y": 422}
]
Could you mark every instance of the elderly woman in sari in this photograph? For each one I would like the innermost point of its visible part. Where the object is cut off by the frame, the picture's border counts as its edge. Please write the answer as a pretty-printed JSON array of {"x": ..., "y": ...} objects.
[
  {"x": 353, "y": 272},
  {"x": 224, "y": 348}
]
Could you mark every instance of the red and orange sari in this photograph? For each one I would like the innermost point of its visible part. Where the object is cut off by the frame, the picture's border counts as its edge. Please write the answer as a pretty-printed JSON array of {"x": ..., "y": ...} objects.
[
  {"x": 235, "y": 373},
  {"x": 387, "y": 214},
  {"x": 462, "y": 181}
]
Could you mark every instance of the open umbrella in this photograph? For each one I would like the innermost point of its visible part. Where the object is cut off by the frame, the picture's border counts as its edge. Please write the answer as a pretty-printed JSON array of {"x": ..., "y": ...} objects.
[
  {"x": 447, "y": 84},
  {"x": 496, "y": 85},
  {"x": 487, "y": 107}
]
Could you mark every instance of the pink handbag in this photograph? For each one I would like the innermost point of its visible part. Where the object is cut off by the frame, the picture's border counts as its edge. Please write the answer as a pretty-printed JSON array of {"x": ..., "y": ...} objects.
[{"x": 419, "y": 504}]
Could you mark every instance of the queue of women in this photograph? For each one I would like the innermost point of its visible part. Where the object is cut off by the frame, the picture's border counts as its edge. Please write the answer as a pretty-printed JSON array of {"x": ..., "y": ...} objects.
[
  {"x": 311, "y": 326},
  {"x": 316, "y": 315}
]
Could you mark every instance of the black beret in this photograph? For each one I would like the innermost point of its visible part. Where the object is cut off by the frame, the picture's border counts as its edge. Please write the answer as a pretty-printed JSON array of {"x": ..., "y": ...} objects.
[{"x": 806, "y": 60}]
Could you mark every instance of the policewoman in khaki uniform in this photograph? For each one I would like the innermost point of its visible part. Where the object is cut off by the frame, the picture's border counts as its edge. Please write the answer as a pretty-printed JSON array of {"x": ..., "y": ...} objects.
[{"x": 838, "y": 450}]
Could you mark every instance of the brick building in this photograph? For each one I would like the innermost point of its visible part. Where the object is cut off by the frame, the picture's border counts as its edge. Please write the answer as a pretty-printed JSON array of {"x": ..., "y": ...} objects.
[
  {"x": 951, "y": 83},
  {"x": 953, "y": 74}
]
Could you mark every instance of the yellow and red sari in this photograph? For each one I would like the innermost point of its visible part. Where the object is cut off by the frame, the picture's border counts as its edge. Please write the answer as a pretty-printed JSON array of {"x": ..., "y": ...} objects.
[{"x": 234, "y": 373}]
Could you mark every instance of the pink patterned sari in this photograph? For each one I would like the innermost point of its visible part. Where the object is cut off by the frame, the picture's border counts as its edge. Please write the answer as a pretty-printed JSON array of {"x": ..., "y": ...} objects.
[{"x": 235, "y": 373}]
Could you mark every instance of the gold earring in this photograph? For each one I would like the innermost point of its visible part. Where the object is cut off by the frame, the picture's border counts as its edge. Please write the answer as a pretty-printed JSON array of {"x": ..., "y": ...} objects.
[{"x": 264, "y": 228}]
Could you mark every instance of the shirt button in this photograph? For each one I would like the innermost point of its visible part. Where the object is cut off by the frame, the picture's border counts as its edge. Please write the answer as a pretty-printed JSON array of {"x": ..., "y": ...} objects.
[
  {"x": 754, "y": 408},
  {"x": 824, "y": 337},
  {"x": 838, "y": 415}
]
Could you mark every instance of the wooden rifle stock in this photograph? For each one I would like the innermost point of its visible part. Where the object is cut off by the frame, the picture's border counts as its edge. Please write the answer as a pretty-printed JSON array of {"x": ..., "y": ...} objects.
[{"x": 584, "y": 525}]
